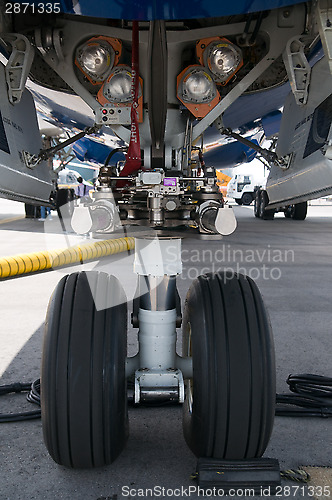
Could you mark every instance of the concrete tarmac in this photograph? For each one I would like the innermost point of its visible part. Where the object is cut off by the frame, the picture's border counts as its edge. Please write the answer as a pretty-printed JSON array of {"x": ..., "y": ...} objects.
[{"x": 291, "y": 261}]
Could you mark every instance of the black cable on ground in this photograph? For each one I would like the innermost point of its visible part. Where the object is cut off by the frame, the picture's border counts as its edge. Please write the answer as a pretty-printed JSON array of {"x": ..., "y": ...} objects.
[
  {"x": 33, "y": 397},
  {"x": 311, "y": 397}
]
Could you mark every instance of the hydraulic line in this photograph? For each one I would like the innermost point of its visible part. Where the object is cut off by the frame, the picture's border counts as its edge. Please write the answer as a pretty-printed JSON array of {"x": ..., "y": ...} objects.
[{"x": 78, "y": 254}]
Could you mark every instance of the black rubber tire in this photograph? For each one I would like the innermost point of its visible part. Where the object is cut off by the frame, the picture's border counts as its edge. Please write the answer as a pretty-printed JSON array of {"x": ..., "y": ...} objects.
[
  {"x": 264, "y": 213},
  {"x": 83, "y": 384},
  {"x": 288, "y": 212},
  {"x": 238, "y": 201},
  {"x": 247, "y": 199},
  {"x": 229, "y": 413},
  {"x": 257, "y": 201},
  {"x": 31, "y": 211},
  {"x": 64, "y": 202},
  {"x": 299, "y": 211}
]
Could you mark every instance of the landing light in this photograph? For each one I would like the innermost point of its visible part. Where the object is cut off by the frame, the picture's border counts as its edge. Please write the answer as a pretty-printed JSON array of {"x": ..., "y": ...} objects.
[
  {"x": 116, "y": 92},
  {"x": 96, "y": 57},
  {"x": 117, "y": 88},
  {"x": 221, "y": 57},
  {"x": 223, "y": 61},
  {"x": 196, "y": 86}
]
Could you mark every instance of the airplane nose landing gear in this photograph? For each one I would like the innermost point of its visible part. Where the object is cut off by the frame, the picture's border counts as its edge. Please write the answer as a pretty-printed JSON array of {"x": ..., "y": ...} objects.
[{"x": 227, "y": 367}]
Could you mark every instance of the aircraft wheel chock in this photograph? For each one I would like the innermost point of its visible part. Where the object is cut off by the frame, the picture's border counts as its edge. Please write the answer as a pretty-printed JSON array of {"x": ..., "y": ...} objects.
[
  {"x": 83, "y": 384},
  {"x": 229, "y": 408}
]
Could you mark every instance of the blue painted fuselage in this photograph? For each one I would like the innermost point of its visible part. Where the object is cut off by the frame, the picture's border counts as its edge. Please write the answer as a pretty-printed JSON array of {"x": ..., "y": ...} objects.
[{"x": 148, "y": 10}]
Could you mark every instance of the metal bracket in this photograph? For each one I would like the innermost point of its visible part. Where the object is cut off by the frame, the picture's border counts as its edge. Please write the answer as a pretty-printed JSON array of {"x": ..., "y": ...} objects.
[
  {"x": 18, "y": 66},
  {"x": 269, "y": 156},
  {"x": 286, "y": 161},
  {"x": 31, "y": 161},
  {"x": 153, "y": 385},
  {"x": 278, "y": 39},
  {"x": 324, "y": 21},
  {"x": 298, "y": 69}
]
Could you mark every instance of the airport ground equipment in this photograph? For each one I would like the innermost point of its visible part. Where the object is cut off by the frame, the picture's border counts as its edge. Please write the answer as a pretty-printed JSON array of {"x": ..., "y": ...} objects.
[
  {"x": 17, "y": 265},
  {"x": 242, "y": 189}
]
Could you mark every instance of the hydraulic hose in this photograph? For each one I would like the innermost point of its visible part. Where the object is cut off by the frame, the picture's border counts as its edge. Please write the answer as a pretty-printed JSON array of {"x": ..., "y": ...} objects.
[{"x": 39, "y": 261}]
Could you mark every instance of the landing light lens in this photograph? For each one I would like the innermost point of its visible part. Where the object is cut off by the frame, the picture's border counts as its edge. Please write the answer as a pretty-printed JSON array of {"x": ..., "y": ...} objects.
[
  {"x": 223, "y": 60},
  {"x": 95, "y": 59},
  {"x": 197, "y": 86},
  {"x": 117, "y": 88}
]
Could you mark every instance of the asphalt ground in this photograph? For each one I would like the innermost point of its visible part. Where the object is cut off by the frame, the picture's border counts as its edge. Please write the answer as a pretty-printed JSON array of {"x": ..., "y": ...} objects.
[{"x": 291, "y": 263}]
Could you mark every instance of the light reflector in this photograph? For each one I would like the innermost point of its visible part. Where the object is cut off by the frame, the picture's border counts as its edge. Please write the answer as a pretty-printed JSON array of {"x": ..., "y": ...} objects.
[
  {"x": 196, "y": 86},
  {"x": 97, "y": 56},
  {"x": 220, "y": 56}
]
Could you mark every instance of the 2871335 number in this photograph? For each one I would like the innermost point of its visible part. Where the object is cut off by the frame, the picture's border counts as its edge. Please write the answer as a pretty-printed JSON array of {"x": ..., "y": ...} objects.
[
  {"x": 310, "y": 491},
  {"x": 35, "y": 8}
]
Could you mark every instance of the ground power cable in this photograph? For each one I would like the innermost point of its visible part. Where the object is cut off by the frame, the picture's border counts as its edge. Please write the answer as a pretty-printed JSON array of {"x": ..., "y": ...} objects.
[{"x": 311, "y": 396}]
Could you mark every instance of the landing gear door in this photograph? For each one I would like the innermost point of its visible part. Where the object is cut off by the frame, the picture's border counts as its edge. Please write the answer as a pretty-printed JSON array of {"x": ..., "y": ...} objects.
[
  {"x": 304, "y": 143},
  {"x": 19, "y": 132}
]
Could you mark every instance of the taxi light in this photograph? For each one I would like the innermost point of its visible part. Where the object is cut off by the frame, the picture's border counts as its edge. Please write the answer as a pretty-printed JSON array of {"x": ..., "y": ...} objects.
[
  {"x": 196, "y": 86},
  {"x": 222, "y": 58},
  {"x": 117, "y": 88},
  {"x": 197, "y": 90},
  {"x": 96, "y": 57}
]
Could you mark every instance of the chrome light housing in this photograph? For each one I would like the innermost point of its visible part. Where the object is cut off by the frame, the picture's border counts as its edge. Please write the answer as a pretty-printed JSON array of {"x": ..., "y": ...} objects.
[
  {"x": 196, "y": 86},
  {"x": 117, "y": 88},
  {"x": 96, "y": 58},
  {"x": 223, "y": 59}
]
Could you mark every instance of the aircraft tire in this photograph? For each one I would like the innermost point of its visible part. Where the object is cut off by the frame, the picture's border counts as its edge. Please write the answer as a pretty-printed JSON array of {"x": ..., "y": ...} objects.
[
  {"x": 288, "y": 212},
  {"x": 83, "y": 384},
  {"x": 257, "y": 201},
  {"x": 229, "y": 408},
  {"x": 265, "y": 213},
  {"x": 299, "y": 211}
]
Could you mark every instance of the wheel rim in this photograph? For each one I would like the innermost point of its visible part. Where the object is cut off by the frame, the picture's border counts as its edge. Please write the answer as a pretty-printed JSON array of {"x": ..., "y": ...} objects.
[{"x": 189, "y": 381}]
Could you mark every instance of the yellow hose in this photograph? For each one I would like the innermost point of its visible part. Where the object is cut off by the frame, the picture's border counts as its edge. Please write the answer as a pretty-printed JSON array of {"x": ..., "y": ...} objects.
[{"x": 39, "y": 261}]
